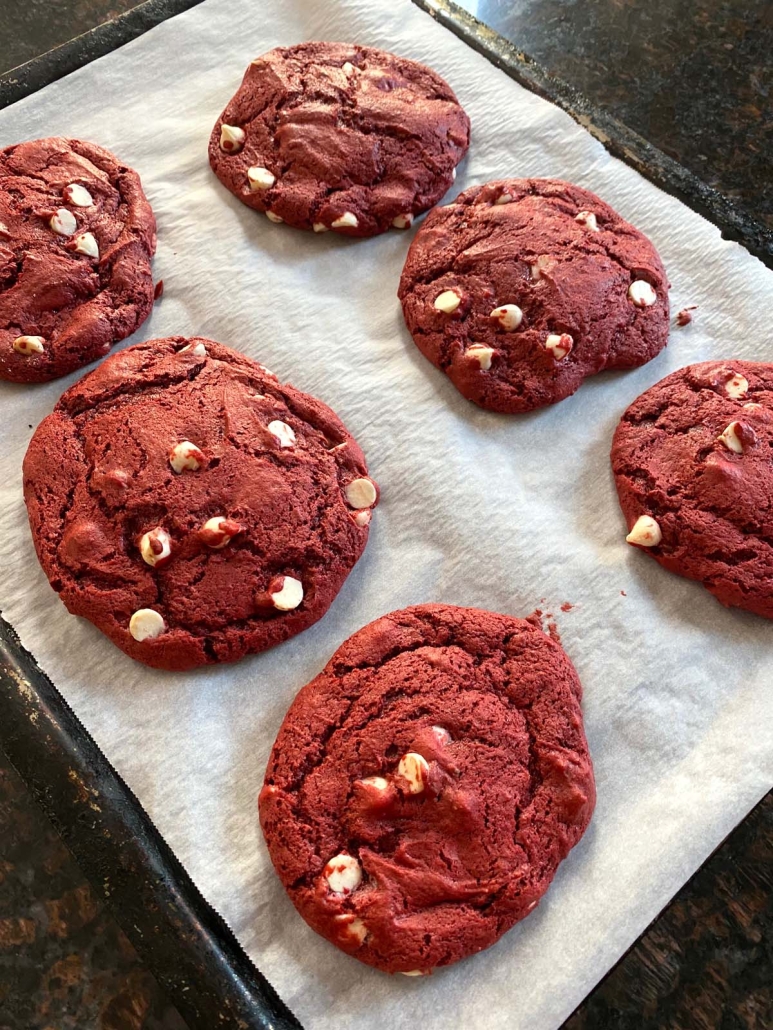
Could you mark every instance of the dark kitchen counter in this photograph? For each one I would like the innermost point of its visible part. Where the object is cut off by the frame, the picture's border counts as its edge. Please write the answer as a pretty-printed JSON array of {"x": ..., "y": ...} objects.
[
  {"x": 64, "y": 963},
  {"x": 694, "y": 79}
]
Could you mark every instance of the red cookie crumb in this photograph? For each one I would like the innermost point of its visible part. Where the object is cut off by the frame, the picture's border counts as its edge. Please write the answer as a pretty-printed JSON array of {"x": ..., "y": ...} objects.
[{"x": 684, "y": 317}]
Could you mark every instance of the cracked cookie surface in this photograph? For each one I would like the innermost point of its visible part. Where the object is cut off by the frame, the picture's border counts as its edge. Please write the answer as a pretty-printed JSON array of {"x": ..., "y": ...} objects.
[
  {"x": 337, "y": 136},
  {"x": 692, "y": 464},
  {"x": 521, "y": 288},
  {"x": 191, "y": 506},
  {"x": 424, "y": 788},
  {"x": 76, "y": 240}
]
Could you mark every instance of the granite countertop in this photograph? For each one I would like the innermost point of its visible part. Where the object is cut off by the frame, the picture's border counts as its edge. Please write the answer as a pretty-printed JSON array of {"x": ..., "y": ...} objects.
[
  {"x": 693, "y": 77},
  {"x": 64, "y": 963},
  {"x": 696, "y": 80}
]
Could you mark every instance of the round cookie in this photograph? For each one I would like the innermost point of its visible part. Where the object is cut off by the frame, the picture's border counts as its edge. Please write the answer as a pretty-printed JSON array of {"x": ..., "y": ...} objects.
[
  {"x": 521, "y": 288},
  {"x": 337, "y": 136},
  {"x": 691, "y": 459},
  {"x": 191, "y": 506},
  {"x": 424, "y": 788},
  {"x": 76, "y": 240}
]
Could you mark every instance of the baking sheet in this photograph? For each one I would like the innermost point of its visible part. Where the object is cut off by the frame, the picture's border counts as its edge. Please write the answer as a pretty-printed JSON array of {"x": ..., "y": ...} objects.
[{"x": 477, "y": 509}]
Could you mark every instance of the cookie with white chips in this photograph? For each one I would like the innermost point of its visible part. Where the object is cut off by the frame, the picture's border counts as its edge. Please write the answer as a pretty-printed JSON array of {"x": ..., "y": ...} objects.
[
  {"x": 522, "y": 288},
  {"x": 77, "y": 235},
  {"x": 424, "y": 788},
  {"x": 339, "y": 137},
  {"x": 692, "y": 464},
  {"x": 191, "y": 506}
]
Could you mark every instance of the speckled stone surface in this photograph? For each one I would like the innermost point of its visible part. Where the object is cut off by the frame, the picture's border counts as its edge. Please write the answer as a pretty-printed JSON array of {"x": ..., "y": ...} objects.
[
  {"x": 64, "y": 964},
  {"x": 693, "y": 78},
  {"x": 35, "y": 26},
  {"x": 705, "y": 963}
]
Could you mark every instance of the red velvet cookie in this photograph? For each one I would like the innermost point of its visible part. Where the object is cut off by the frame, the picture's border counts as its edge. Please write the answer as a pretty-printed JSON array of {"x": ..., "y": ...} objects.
[
  {"x": 337, "y": 136},
  {"x": 521, "y": 288},
  {"x": 424, "y": 788},
  {"x": 76, "y": 240},
  {"x": 692, "y": 465},
  {"x": 191, "y": 506}
]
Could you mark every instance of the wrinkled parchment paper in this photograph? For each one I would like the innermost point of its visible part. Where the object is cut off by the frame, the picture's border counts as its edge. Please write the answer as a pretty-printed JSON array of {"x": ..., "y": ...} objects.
[{"x": 477, "y": 509}]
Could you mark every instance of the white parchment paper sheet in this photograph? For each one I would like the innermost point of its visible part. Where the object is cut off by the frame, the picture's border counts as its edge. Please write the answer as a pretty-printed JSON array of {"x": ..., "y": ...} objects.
[{"x": 477, "y": 509}]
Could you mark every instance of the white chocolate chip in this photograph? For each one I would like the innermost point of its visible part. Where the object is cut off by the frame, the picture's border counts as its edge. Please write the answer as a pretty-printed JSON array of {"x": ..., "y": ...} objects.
[
  {"x": 185, "y": 455},
  {"x": 361, "y": 493},
  {"x": 480, "y": 353},
  {"x": 77, "y": 195},
  {"x": 588, "y": 219},
  {"x": 346, "y": 221},
  {"x": 29, "y": 344},
  {"x": 268, "y": 371},
  {"x": 352, "y": 927},
  {"x": 347, "y": 68},
  {"x": 231, "y": 138},
  {"x": 320, "y": 227},
  {"x": 504, "y": 198},
  {"x": 442, "y": 736},
  {"x": 219, "y": 531},
  {"x": 559, "y": 345},
  {"x": 732, "y": 437},
  {"x": 509, "y": 316},
  {"x": 737, "y": 387},
  {"x": 289, "y": 595},
  {"x": 260, "y": 178},
  {"x": 414, "y": 769},
  {"x": 274, "y": 218},
  {"x": 453, "y": 175},
  {"x": 198, "y": 350},
  {"x": 146, "y": 624},
  {"x": 641, "y": 293},
  {"x": 86, "y": 244},
  {"x": 4, "y": 230},
  {"x": 752, "y": 406},
  {"x": 403, "y": 221},
  {"x": 362, "y": 518},
  {"x": 448, "y": 301},
  {"x": 543, "y": 263},
  {"x": 63, "y": 222},
  {"x": 412, "y": 972},
  {"x": 376, "y": 782},
  {"x": 282, "y": 433},
  {"x": 343, "y": 874},
  {"x": 155, "y": 546},
  {"x": 645, "y": 532}
]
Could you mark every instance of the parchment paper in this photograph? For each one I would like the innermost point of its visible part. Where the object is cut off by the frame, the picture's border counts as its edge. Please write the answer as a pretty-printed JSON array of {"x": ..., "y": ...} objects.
[{"x": 477, "y": 509}]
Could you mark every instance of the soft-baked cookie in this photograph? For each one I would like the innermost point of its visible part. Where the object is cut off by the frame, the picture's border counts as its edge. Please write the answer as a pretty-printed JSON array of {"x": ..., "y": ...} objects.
[
  {"x": 337, "y": 136},
  {"x": 193, "y": 507},
  {"x": 692, "y": 465},
  {"x": 521, "y": 288},
  {"x": 424, "y": 788},
  {"x": 76, "y": 240}
]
